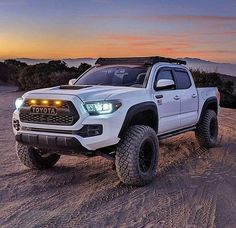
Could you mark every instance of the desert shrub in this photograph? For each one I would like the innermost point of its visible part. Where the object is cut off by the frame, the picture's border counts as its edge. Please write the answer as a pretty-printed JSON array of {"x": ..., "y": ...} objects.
[
  {"x": 48, "y": 74},
  {"x": 41, "y": 75},
  {"x": 15, "y": 63},
  {"x": 4, "y": 72},
  {"x": 10, "y": 69},
  {"x": 14, "y": 68}
]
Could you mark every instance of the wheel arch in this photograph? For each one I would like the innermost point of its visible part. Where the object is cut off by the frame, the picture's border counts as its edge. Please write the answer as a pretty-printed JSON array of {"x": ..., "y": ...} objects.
[
  {"x": 135, "y": 115},
  {"x": 210, "y": 103}
]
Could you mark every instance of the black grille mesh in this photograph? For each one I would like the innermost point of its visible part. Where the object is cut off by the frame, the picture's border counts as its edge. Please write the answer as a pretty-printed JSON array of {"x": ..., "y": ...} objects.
[
  {"x": 66, "y": 115},
  {"x": 46, "y": 119}
]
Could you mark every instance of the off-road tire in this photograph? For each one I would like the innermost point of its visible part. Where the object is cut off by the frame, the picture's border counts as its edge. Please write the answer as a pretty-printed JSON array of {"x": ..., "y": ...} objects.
[
  {"x": 31, "y": 157},
  {"x": 207, "y": 130},
  {"x": 129, "y": 154}
]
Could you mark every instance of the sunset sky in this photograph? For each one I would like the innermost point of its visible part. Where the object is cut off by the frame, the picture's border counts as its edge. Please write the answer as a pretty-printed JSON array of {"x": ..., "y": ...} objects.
[{"x": 92, "y": 28}]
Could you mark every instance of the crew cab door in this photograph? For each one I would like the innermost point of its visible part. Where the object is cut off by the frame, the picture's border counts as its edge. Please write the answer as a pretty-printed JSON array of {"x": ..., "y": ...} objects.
[
  {"x": 188, "y": 97},
  {"x": 168, "y": 103}
]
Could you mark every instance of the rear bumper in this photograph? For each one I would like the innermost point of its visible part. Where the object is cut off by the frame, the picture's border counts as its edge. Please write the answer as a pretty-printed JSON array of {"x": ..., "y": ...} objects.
[{"x": 50, "y": 141}]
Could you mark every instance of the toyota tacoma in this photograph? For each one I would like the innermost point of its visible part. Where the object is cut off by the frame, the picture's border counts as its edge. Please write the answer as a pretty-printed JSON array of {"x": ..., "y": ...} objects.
[{"x": 119, "y": 109}]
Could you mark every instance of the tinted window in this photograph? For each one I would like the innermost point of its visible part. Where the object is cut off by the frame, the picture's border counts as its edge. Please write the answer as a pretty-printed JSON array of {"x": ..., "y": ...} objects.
[
  {"x": 182, "y": 80},
  {"x": 165, "y": 74},
  {"x": 115, "y": 76}
]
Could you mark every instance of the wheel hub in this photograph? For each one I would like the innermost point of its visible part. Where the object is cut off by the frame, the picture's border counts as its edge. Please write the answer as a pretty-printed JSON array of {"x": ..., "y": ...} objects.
[
  {"x": 146, "y": 156},
  {"x": 213, "y": 128}
]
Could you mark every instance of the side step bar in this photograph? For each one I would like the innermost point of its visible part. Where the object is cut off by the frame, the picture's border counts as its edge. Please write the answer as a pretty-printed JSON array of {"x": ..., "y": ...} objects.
[{"x": 167, "y": 135}]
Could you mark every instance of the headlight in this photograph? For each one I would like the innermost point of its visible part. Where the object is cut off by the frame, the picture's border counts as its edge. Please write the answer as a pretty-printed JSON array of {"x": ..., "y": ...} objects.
[
  {"x": 19, "y": 101},
  {"x": 102, "y": 107}
]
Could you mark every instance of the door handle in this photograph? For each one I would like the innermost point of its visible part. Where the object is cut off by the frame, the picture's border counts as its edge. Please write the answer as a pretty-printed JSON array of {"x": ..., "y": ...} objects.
[
  {"x": 194, "y": 95},
  {"x": 159, "y": 96},
  {"x": 176, "y": 97}
]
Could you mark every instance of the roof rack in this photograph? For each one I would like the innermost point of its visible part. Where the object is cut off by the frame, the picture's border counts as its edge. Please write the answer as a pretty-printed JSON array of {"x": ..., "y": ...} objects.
[{"x": 137, "y": 61}]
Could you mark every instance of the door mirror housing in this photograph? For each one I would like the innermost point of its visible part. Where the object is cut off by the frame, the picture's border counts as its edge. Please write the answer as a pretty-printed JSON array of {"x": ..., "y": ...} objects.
[
  {"x": 72, "y": 81},
  {"x": 164, "y": 84}
]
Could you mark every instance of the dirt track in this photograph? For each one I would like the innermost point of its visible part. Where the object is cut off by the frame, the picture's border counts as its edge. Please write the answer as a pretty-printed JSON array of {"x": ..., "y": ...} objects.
[{"x": 194, "y": 187}]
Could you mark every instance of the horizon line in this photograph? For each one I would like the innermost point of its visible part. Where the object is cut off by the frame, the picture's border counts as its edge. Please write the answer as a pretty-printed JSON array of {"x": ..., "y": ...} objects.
[{"x": 73, "y": 58}]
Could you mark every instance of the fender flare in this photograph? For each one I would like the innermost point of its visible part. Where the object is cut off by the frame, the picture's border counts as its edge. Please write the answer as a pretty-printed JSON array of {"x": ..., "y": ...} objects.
[
  {"x": 138, "y": 108},
  {"x": 209, "y": 101}
]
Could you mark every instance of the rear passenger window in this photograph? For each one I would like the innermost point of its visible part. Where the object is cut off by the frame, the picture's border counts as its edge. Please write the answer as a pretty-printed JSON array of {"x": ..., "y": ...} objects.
[
  {"x": 182, "y": 79},
  {"x": 165, "y": 74}
]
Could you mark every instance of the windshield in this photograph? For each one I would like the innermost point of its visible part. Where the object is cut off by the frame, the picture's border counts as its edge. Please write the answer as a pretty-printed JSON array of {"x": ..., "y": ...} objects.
[{"x": 115, "y": 76}]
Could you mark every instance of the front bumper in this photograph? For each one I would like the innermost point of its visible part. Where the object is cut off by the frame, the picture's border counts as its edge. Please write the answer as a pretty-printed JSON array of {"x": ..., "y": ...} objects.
[{"x": 50, "y": 141}]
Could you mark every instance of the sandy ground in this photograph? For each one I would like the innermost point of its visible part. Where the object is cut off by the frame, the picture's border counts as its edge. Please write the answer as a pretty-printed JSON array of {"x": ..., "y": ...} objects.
[{"x": 194, "y": 187}]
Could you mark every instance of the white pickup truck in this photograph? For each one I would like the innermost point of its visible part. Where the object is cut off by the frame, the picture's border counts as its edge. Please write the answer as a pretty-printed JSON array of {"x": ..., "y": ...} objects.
[{"x": 119, "y": 109}]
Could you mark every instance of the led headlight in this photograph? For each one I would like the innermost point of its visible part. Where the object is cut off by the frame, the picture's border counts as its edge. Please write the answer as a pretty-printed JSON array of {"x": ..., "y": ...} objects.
[
  {"x": 19, "y": 101},
  {"x": 102, "y": 107}
]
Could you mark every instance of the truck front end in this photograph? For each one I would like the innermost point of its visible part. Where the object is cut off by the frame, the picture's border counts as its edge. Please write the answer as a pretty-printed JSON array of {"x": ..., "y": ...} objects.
[{"x": 64, "y": 123}]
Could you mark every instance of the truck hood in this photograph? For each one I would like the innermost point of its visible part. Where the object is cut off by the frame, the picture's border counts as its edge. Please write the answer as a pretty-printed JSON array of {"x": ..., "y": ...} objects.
[{"x": 85, "y": 93}]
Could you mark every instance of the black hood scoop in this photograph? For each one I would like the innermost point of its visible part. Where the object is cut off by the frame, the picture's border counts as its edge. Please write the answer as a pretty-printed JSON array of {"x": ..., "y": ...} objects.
[{"x": 73, "y": 87}]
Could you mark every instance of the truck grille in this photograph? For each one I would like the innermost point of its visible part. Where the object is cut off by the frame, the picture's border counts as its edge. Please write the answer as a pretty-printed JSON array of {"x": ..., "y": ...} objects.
[
  {"x": 44, "y": 119},
  {"x": 66, "y": 114}
]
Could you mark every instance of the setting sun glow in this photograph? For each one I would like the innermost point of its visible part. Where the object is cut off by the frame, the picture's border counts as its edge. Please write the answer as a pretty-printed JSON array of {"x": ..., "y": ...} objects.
[{"x": 43, "y": 29}]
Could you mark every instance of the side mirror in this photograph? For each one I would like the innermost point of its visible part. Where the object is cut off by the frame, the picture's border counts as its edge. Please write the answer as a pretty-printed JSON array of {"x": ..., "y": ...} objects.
[
  {"x": 72, "y": 81},
  {"x": 165, "y": 84}
]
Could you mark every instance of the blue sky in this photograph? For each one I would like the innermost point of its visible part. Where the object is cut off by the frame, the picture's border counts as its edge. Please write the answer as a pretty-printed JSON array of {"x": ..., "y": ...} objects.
[{"x": 59, "y": 28}]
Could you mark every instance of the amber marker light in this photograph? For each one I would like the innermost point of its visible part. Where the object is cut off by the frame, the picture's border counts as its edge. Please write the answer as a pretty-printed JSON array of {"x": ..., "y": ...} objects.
[
  {"x": 33, "y": 102},
  {"x": 45, "y": 102},
  {"x": 58, "y": 103}
]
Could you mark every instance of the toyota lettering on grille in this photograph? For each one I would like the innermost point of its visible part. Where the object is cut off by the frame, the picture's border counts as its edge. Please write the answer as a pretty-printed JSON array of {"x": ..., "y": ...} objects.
[{"x": 43, "y": 110}]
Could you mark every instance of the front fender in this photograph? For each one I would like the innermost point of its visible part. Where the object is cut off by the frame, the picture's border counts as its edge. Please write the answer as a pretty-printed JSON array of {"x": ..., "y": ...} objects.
[{"x": 139, "y": 108}]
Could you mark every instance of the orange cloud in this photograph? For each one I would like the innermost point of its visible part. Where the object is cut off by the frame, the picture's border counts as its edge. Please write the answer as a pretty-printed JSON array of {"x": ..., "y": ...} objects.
[{"x": 150, "y": 41}]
